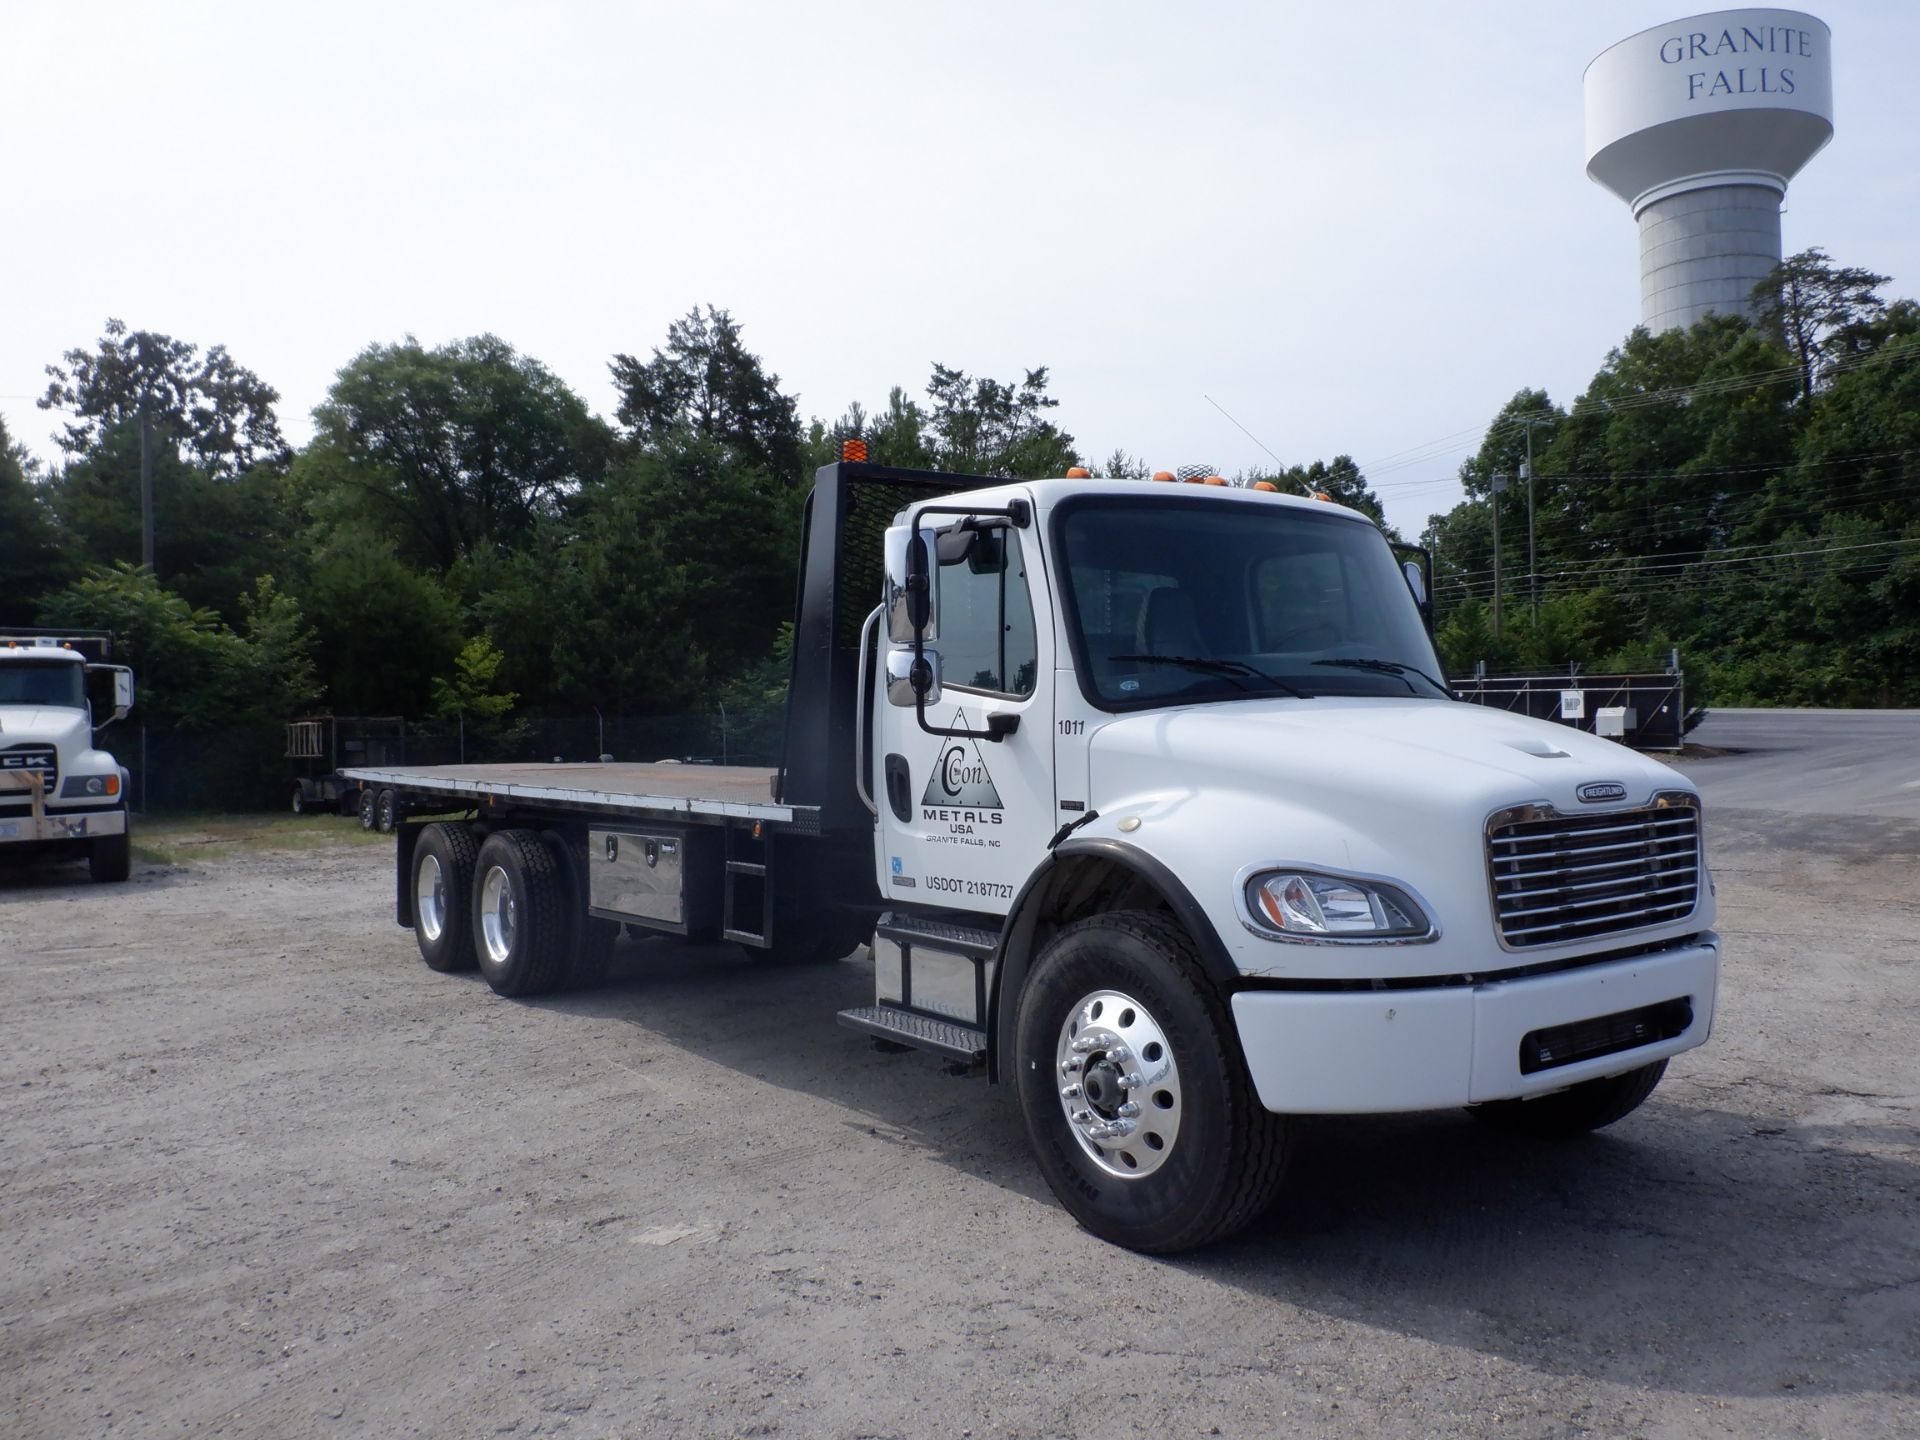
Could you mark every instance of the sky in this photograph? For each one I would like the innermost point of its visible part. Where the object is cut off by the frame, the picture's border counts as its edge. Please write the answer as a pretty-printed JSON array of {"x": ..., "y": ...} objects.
[{"x": 1358, "y": 227}]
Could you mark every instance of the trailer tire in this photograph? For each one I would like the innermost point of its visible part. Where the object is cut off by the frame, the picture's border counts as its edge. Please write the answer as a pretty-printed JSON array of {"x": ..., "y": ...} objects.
[
  {"x": 386, "y": 812},
  {"x": 1577, "y": 1110},
  {"x": 299, "y": 799},
  {"x": 110, "y": 857},
  {"x": 443, "y": 916},
  {"x": 366, "y": 808},
  {"x": 521, "y": 920},
  {"x": 1119, "y": 1006}
]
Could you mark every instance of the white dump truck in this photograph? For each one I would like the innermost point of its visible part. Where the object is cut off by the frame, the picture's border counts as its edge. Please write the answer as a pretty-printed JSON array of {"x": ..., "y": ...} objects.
[
  {"x": 58, "y": 793},
  {"x": 1150, "y": 800}
]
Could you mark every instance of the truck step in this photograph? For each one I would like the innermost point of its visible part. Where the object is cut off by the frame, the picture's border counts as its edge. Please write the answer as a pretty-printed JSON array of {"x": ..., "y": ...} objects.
[
  {"x": 745, "y": 867},
  {"x": 923, "y": 1032},
  {"x": 973, "y": 941}
]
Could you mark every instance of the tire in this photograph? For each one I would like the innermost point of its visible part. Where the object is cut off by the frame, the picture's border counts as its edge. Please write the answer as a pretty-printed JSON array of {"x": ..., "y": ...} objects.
[
  {"x": 299, "y": 800},
  {"x": 110, "y": 857},
  {"x": 1590, "y": 1105},
  {"x": 1217, "y": 1163},
  {"x": 443, "y": 926},
  {"x": 522, "y": 925},
  {"x": 386, "y": 812},
  {"x": 590, "y": 939},
  {"x": 366, "y": 809}
]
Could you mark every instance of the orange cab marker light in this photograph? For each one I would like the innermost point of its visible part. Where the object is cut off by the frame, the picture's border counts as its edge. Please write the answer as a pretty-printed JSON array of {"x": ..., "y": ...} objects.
[
  {"x": 1214, "y": 480},
  {"x": 1322, "y": 495},
  {"x": 1079, "y": 472},
  {"x": 1163, "y": 476},
  {"x": 1266, "y": 485},
  {"x": 853, "y": 450}
]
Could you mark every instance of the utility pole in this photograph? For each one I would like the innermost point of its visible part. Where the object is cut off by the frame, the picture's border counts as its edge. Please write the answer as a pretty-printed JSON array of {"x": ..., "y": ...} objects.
[
  {"x": 1526, "y": 471},
  {"x": 146, "y": 483},
  {"x": 1499, "y": 489}
]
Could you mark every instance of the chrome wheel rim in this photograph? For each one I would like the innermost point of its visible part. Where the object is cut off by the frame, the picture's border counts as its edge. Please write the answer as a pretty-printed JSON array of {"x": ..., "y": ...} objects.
[
  {"x": 1119, "y": 1085},
  {"x": 498, "y": 915},
  {"x": 430, "y": 898}
]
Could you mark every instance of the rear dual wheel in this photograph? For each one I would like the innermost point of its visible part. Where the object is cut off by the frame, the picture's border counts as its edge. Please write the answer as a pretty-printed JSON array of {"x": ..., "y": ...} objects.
[
  {"x": 523, "y": 916},
  {"x": 443, "y": 862}
]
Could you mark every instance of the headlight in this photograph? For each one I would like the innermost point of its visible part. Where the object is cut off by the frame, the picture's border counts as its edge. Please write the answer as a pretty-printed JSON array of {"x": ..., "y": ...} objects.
[
  {"x": 80, "y": 786},
  {"x": 1304, "y": 905}
]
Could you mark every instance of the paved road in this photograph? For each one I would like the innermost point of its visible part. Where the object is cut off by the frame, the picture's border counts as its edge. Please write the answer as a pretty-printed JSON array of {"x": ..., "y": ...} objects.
[{"x": 1813, "y": 762}]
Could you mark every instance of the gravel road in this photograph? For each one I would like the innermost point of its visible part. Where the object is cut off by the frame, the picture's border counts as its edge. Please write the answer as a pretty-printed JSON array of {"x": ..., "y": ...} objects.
[{"x": 266, "y": 1175}]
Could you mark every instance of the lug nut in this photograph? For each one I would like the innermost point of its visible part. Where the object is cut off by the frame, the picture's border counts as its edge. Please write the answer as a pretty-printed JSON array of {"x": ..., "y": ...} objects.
[
  {"x": 1129, "y": 1111},
  {"x": 1069, "y": 1067},
  {"x": 1072, "y": 1092},
  {"x": 1084, "y": 1046},
  {"x": 1119, "y": 1054},
  {"x": 1133, "y": 1080},
  {"x": 1083, "y": 1117}
]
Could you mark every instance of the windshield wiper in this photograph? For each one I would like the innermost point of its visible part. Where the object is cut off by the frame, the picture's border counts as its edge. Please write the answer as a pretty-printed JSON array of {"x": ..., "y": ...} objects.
[
  {"x": 1388, "y": 667},
  {"x": 1228, "y": 668}
]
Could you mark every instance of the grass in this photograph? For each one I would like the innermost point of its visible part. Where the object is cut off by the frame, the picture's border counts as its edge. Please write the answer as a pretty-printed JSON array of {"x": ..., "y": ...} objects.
[{"x": 186, "y": 839}]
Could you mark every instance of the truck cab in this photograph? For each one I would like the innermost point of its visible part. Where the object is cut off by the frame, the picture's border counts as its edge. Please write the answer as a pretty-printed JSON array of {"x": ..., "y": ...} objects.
[
  {"x": 1201, "y": 733},
  {"x": 58, "y": 793}
]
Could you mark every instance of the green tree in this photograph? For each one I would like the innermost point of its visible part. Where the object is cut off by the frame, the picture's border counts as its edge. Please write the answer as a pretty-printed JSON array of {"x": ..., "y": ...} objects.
[
  {"x": 705, "y": 380},
  {"x": 383, "y": 631},
  {"x": 34, "y": 556},
  {"x": 1819, "y": 309},
  {"x": 213, "y": 410},
  {"x": 452, "y": 451},
  {"x": 982, "y": 426}
]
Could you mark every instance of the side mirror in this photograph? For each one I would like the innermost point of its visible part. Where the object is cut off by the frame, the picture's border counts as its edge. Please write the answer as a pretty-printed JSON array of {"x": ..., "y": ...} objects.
[
  {"x": 1416, "y": 582},
  {"x": 911, "y": 681},
  {"x": 913, "y": 586},
  {"x": 122, "y": 693}
]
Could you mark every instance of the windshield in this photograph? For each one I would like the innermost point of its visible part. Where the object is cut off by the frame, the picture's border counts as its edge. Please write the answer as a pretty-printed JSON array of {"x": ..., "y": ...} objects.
[
  {"x": 43, "y": 683},
  {"x": 1172, "y": 601}
]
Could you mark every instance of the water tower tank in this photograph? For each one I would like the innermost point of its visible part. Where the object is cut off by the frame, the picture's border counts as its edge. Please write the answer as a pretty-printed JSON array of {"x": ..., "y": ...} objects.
[{"x": 1698, "y": 125}]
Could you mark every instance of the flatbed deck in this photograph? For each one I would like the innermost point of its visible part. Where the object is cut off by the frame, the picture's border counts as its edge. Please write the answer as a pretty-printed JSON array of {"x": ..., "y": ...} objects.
[{"x": 738, "y": 792}]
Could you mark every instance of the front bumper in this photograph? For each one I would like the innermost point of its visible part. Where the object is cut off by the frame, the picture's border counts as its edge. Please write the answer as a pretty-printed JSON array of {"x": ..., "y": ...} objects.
[
  {"x": 1380, "y": 1050},
  {"x": 61, "y": 825}
]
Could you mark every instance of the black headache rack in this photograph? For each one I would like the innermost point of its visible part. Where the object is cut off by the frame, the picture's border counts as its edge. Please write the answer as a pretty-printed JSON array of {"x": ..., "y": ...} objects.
[{"x": 842, "y": 577}]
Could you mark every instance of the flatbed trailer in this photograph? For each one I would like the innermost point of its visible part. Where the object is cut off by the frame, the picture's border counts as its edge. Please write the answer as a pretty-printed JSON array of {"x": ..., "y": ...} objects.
[{"x": 1189, "y": 838}]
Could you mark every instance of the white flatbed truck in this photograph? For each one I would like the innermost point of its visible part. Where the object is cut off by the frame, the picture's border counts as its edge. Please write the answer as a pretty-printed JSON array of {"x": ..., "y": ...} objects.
[{"x": 1149, "y": 800}]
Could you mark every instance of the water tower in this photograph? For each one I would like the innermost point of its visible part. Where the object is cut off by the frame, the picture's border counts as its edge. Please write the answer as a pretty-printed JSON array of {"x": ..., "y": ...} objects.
[{"x": 1698, "y": 125}]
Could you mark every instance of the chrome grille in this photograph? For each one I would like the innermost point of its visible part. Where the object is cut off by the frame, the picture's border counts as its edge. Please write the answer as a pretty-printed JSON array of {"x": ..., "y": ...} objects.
[
  {"x": 43, "y": 758},
  {"x": 1559, "y": 877}
]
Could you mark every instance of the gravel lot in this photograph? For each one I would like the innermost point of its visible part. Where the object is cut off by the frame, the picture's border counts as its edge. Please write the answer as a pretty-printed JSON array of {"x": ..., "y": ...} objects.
[{"x": 266, "y": 1175}]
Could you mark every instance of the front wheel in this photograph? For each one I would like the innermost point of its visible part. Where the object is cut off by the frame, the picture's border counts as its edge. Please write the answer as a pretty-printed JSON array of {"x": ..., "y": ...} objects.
[
  {"x": 110, "y": 857},
  {"x": 1590, "y": 1105},
  {"x": 1136, "y": 1098}
]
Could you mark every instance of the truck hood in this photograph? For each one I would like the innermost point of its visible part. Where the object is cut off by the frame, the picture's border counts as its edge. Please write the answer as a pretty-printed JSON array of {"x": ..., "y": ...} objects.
[
  {"x": 1412, "y": 756},
  {"x": 59, "y": 725}
]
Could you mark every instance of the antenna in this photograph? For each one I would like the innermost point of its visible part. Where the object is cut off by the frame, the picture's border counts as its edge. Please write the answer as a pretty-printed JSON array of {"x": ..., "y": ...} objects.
[{"x": 1244, "y": 431}]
